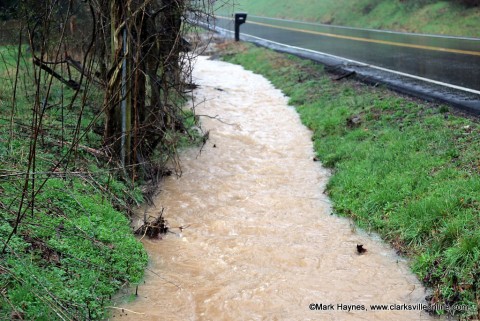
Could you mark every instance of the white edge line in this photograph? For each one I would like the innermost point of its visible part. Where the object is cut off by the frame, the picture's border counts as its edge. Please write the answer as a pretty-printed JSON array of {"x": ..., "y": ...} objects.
[
  {"x": 359, "y": 29},
  {"x": 369, "y": 29},
  {"x": 473, "y": 91}
]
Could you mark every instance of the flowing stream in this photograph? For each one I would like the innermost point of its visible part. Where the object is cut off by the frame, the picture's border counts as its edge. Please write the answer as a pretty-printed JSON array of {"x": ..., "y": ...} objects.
[{"x": 261, "y": 242}]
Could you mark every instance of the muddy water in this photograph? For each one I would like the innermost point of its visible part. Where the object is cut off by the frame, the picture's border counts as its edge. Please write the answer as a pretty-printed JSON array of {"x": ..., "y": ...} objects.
[{"x": 261, "y": 243}]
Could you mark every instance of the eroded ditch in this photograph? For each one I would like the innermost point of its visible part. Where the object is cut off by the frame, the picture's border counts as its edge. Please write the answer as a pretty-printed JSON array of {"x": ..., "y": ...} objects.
[{"x": 260, "y": 242}]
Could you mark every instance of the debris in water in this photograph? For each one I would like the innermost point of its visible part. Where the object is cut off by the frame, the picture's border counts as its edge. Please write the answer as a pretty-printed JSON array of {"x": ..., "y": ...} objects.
[
  {"x": 153, "y": 228},
  {"x": 191, "y": 86},
  {"x": 360, "y": 249},
  {"x": 180, "y": 228},
  {"x": 205, "y": 137}
]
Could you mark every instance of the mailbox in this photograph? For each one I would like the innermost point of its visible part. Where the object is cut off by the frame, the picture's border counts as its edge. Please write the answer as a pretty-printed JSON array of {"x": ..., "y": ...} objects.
[{"x": 240, "y": 18}]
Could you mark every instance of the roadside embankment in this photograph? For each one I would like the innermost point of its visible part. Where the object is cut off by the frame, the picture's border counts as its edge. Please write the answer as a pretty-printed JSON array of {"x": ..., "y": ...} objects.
[
  {"x": 406, "y": 169},
  {"x": 65, "y": 238}
]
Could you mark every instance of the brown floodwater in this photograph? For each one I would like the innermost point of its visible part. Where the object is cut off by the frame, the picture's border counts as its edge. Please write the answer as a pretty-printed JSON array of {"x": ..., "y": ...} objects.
[{"x": 261, "y": 241}]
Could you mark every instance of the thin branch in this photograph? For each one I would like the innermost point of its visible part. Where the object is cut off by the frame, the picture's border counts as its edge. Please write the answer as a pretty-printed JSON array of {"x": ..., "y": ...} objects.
[
  {"x": 69, "y": 83},
  {"x": 216, "y": 117}
]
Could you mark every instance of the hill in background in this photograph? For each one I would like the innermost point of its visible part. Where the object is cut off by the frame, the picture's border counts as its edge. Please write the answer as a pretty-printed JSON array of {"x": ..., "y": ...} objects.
[{"x": 454, "y": 17}]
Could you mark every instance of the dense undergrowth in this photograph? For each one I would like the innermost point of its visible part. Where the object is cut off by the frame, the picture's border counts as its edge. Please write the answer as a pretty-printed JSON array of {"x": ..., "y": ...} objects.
[
  {"x": 65, "y": 238},
  {"x": 422, "y": 16},
  {"x": 66, "y": 242},
  {"x": 405, "y": 169}
]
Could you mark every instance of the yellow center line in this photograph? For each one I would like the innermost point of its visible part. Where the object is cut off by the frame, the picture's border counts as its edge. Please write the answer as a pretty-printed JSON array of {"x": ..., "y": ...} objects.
[{"x": 383, "y": 42}]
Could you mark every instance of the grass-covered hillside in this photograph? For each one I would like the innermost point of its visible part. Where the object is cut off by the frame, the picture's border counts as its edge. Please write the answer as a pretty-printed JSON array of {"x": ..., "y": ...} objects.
[{"x": 422, "y": 16}]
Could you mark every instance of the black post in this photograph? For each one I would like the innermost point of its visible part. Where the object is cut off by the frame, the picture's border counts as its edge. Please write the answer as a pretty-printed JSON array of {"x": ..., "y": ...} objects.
[{"x": 240, "y": 18}]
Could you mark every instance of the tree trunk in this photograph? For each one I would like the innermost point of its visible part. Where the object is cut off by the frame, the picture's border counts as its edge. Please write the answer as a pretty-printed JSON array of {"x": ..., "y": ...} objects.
[{"x": 138, "y": 119}]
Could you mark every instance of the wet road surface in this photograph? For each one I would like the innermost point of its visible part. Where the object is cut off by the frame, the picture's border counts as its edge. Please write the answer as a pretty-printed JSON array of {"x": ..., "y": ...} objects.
[{"x": 452, "y": 60}]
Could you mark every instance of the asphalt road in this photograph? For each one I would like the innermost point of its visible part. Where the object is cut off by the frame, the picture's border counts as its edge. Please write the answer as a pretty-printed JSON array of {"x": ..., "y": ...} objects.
[{"x": 454, "y": 61}]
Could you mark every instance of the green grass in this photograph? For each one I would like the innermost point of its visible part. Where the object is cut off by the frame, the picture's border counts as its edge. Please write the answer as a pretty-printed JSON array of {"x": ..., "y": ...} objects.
[
  {"x": 74, "y": 247},
  {"x": 434, "y": 17},
  {"x": 407, "y": 170}
]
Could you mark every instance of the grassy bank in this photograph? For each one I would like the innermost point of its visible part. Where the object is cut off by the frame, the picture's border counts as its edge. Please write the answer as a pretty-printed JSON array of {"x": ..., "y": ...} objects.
[
  {"x": 434, "y": 17},
  {"x": 407, "y": 170},
  {"x": 66, "y": 241}
]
